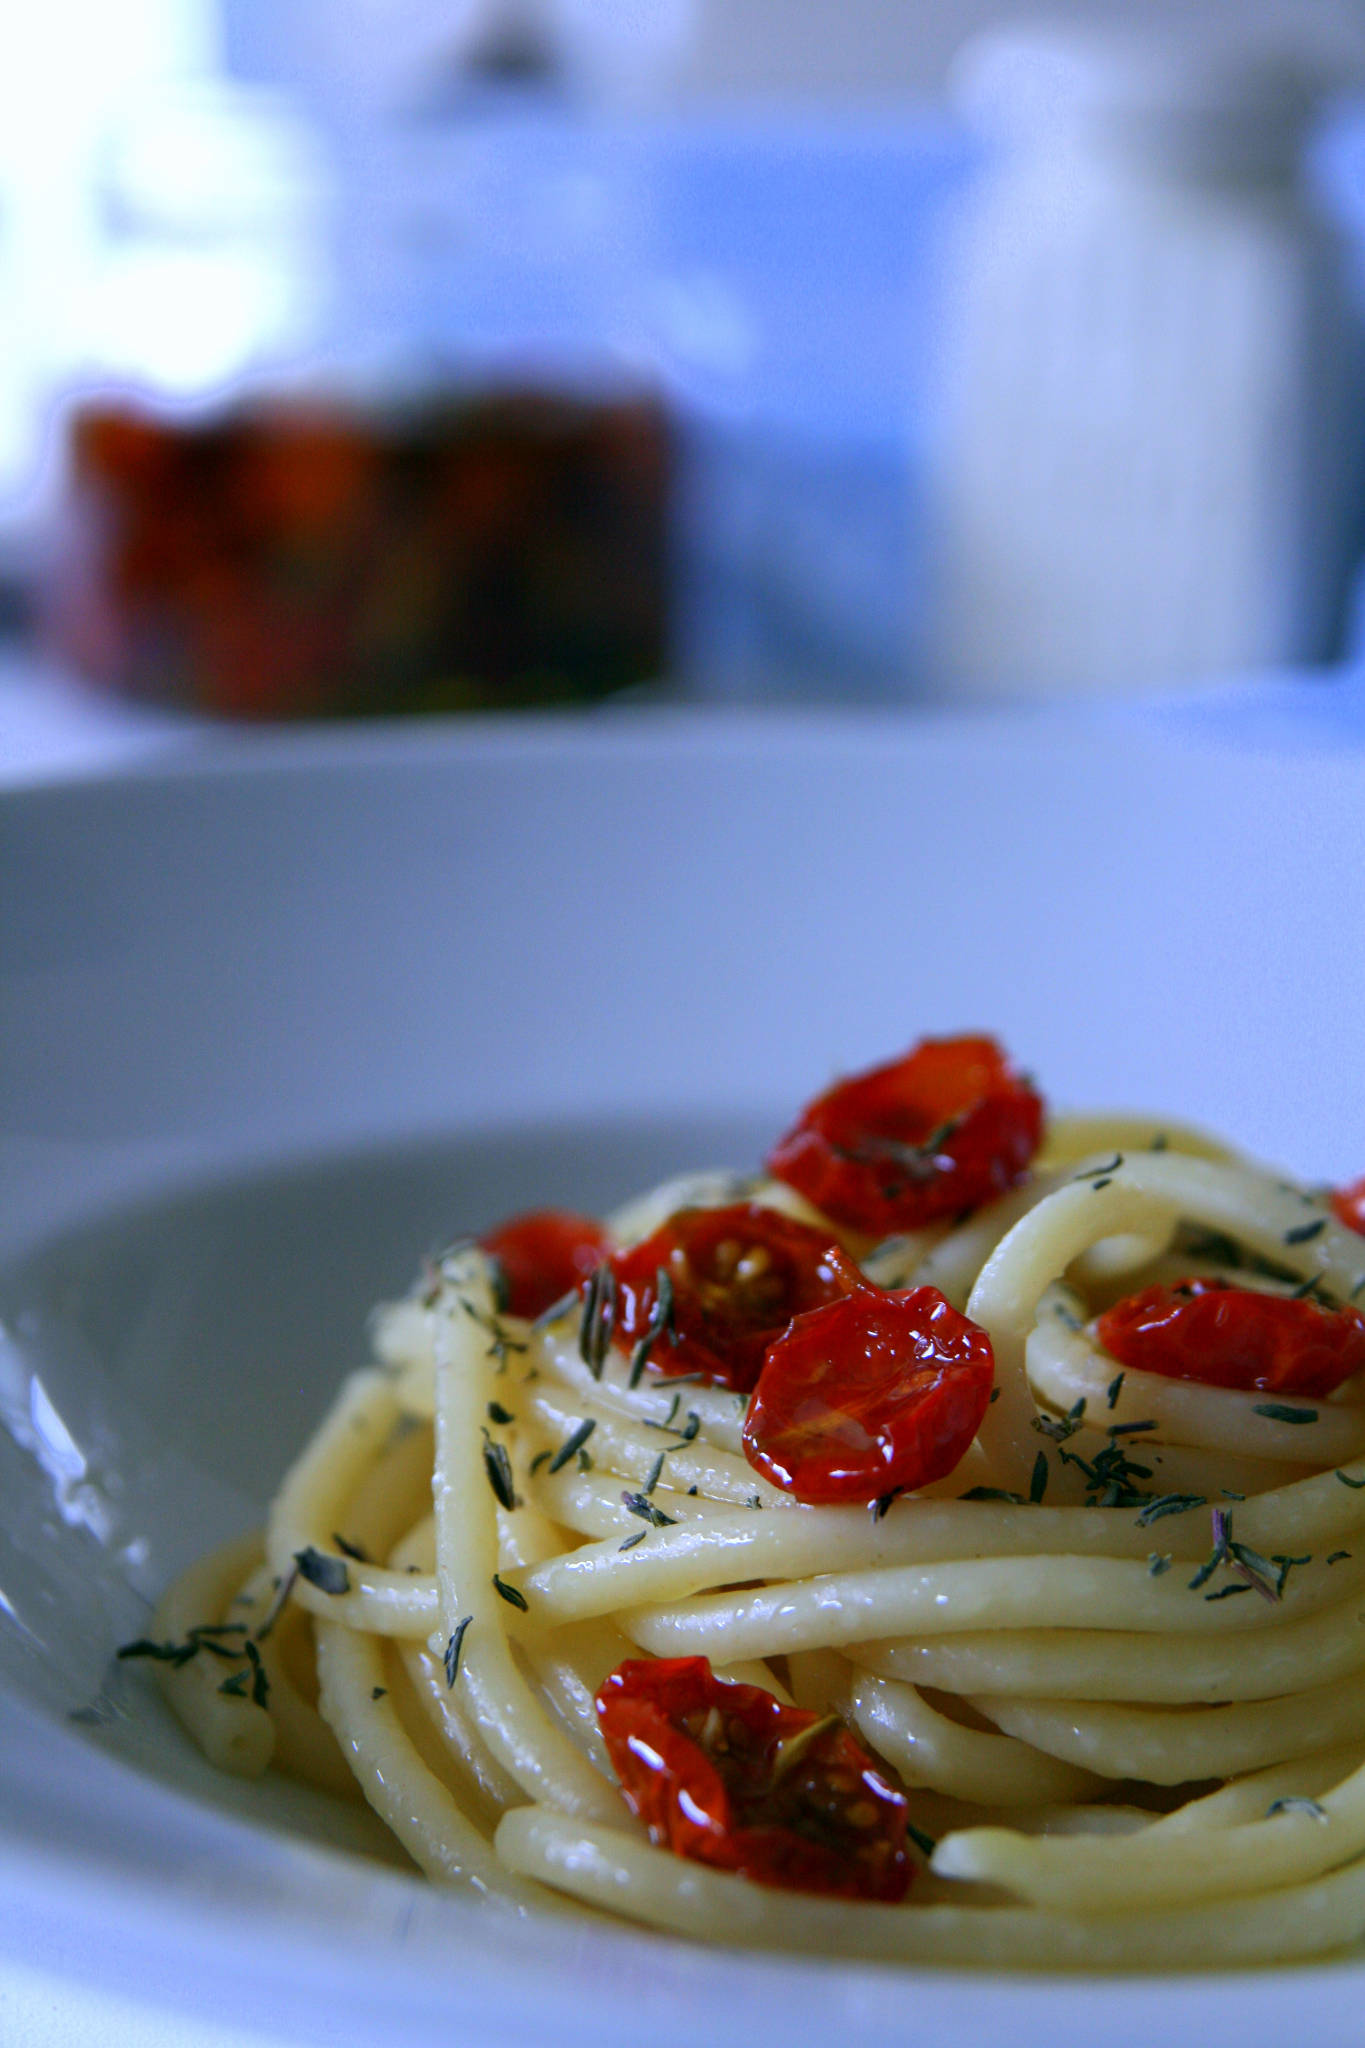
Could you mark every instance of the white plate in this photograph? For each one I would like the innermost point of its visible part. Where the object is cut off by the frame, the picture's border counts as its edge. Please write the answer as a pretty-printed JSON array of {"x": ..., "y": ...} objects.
[{"x": 271, "y": 1024}]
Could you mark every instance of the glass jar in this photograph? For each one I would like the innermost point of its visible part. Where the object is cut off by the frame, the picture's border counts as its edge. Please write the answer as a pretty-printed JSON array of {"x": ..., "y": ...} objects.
[{"x": 1146, "y": 461}]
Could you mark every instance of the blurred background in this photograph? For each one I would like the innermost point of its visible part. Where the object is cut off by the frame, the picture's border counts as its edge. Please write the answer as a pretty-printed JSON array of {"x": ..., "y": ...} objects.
[{"x": 379, "y": 356}]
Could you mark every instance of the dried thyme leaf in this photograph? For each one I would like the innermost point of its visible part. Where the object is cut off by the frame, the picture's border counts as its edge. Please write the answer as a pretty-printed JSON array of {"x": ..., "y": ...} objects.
[
  {"x": 1165, "y": 1504},
  {"x": 661, "y": 1321},
  {"x": 283, "y": 1589},
  {"x": 498, "y": 1469},
  {"x": 667, "y": 1422},
  {"x": 598, "y": 1319},
  {"x": 1054, "y": 1428},
  {"x": 453, "y": 1648},
  {"x": 1109, "y": 1166},
  {"x": 637, "y": 1504},
  {"x": 162, "y": 1653},
  {"x": 1294, "y": 1804},
  {"x": 1222, "y": 1531},
  {"x": 1285, "y": 1565},
  {"x": 1276, "y": 1411},
  {"x": 260, "y": 1683},
  {"x": 328, "y": 1574},
  {"x": 555, "y": 1310},
  {"x": 572, "y": 1443}
]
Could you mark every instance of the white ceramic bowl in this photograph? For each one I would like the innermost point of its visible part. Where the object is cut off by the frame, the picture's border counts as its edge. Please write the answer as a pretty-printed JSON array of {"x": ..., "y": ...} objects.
[{"x": 275, "y": 1020}]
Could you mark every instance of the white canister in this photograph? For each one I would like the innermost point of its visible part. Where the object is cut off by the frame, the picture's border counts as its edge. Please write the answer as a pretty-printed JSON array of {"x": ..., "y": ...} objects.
[{"x": 1145, "y": 466}]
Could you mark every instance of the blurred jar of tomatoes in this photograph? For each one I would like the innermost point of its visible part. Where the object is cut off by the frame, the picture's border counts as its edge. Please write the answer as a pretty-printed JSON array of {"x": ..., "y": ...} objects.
[
  {"x": 389, "y": 460},
  {"x": 296, "y": 559}
]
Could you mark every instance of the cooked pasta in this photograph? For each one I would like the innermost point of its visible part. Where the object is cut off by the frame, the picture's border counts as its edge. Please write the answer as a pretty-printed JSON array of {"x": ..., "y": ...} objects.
[{"x": 1111, "y": 1661}]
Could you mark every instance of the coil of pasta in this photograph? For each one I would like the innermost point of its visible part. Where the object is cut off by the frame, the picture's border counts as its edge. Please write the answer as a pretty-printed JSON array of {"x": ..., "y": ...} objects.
[{"x": 1104, "y": 1671}]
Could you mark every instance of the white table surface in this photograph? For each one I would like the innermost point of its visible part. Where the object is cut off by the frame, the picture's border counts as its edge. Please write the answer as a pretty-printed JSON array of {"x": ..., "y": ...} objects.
[{"x": 52, "y": 724}]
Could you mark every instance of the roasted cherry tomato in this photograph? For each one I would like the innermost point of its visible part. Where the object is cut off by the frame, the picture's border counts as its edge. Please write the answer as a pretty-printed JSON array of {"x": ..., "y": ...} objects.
[
  {"x": 933, "y": 1134},
  {"x": 1348, "y": 1205},
  {"x": 873, "y": 1394},
  {"x": 738, "y": 1275},
  {"x": 1229, "y": 1336},
  {"x": 726, "y": 1775},
  {"x": 544, "y": 1254}
]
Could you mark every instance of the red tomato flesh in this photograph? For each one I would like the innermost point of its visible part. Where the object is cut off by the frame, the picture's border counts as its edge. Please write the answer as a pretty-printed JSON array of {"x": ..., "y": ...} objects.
[
  {"x": 1348, "y": 1206},
  {"x": 721, "y": 1774},
  {"x": 738, "y": 1274},
  {"x": 1230, "y": 1336},
  {"x": 873, "y": 1394},
  {"x": 544, "y": 1254},
  {"x": 933, "y": 1134}
]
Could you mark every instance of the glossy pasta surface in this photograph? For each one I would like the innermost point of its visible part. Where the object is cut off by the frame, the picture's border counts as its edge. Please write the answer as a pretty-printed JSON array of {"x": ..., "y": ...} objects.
[{"x": 1116, "y": 1657}]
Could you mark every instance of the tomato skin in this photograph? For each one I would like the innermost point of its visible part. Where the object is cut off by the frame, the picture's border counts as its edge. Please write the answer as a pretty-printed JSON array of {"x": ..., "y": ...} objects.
[
  {"x": 700, "y": 1763},
  {"x": 936, "y": 1133},
  {"x": 739, "y": 1274},
  {"x": 1348, "y": 1205},
  {"x": 876, "y": 1393},
  {"x": 544, "y": 1254},
  {"x": 1227, "y": 1336}
]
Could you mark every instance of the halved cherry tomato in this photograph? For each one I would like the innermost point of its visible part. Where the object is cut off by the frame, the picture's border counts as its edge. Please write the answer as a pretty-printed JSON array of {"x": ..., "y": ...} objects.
[
  {"x": 544, "y": 1254},
  {"x": 1229, "y": 1336},
  {"x": 873, "y": 1394},
  {"x": 1348, "y": 1205},
  {"x": 738, "y": 1275},
  {"x": 726, "y": 1775},
  {"x": 933, "y": 1134}
]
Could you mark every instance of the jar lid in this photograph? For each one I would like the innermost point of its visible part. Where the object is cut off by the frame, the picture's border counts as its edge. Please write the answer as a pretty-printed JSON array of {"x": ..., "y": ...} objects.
[{"x": 1197, "y": 96}]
